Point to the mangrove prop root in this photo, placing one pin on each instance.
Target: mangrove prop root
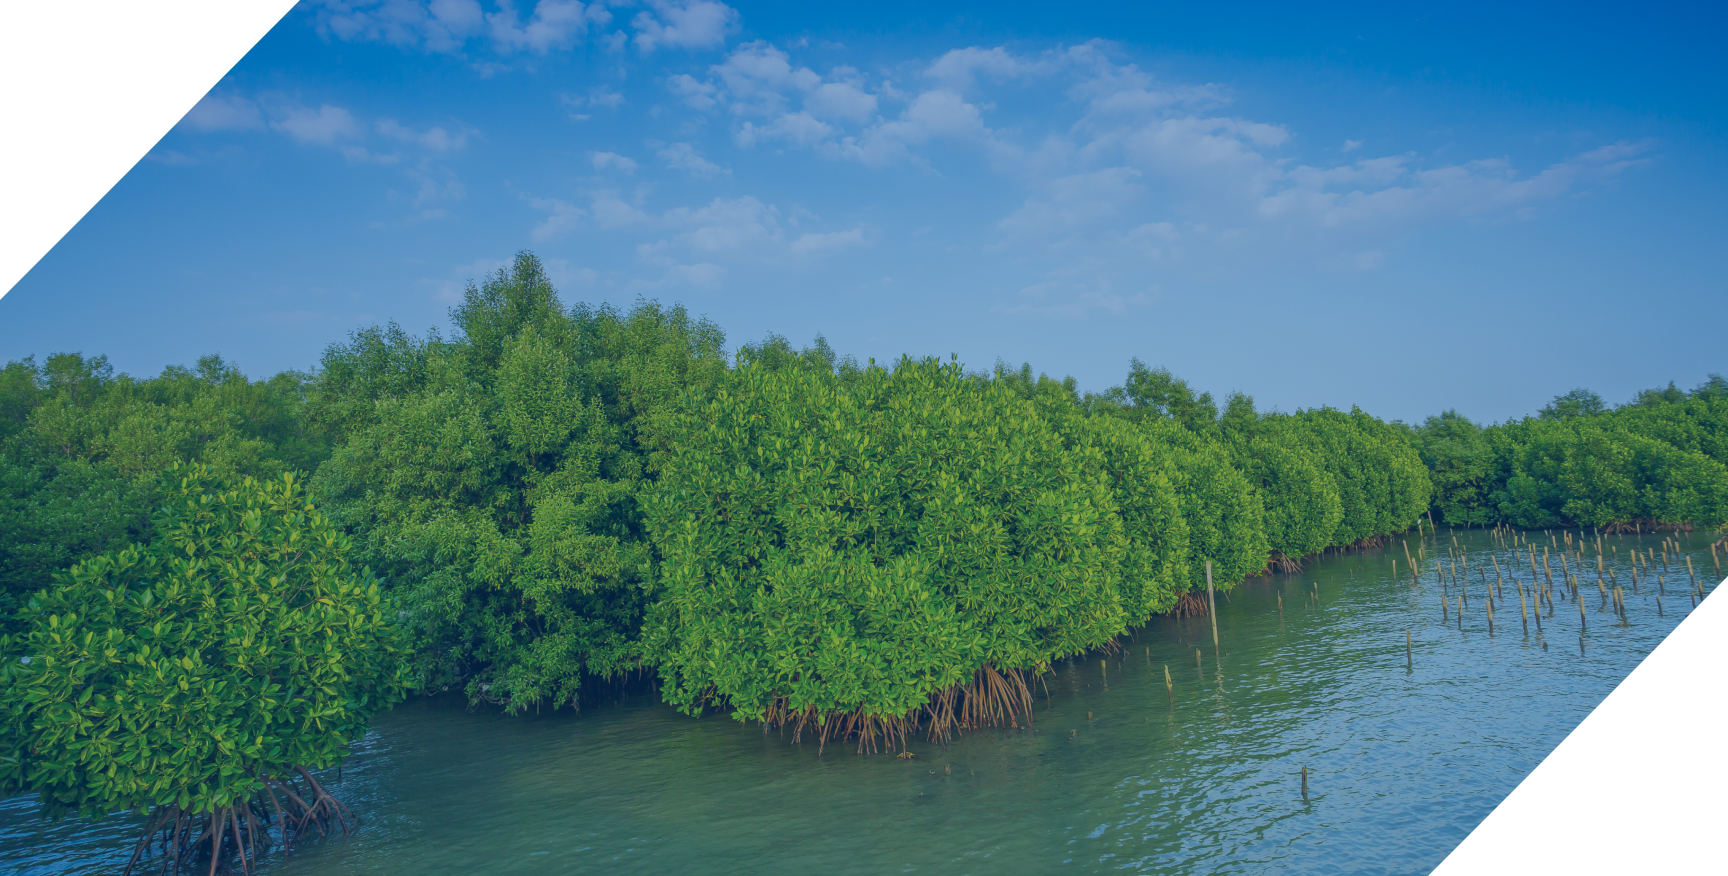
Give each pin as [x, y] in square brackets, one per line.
[1280, 563]
[215, 842]
[1189, 605]
[992, 698]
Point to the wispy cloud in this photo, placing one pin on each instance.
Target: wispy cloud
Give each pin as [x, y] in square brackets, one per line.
[612, 161]
[683, 156]
[505, 28]
[679, 241]
[225, 112]
[692, 24]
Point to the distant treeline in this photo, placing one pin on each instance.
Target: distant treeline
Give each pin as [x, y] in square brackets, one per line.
[843, 547]
[1659, 460]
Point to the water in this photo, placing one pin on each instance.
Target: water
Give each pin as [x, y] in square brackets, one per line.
[1402, 762]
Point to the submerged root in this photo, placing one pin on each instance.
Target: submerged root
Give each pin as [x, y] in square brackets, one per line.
[1279, 563]
[214, 842]
[1636, 525]
[1189, 604]
[991, 699]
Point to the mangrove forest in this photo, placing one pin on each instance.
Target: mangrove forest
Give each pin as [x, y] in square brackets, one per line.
[210, 585]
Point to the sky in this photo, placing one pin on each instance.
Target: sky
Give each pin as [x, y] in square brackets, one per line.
[1410, 211]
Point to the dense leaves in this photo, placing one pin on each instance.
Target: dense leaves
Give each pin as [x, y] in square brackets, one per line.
[865, 547]
[1661, 460]
[237, 645]
[80, 450]
[494, 478]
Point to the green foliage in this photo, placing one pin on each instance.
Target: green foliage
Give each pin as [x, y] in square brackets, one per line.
[1577, 403]
[1661, 459]
[1382, 485]
[861, 548]
[1224, 514]
[1461, 464]
[1300, 499]
[80, 449]
[238, 643]
[1155, 393]
[1152, 493]
[493, 479]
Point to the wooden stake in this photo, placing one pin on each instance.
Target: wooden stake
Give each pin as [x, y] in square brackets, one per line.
[1169, 685]
[1211, 605]
[1304, 784]
[1582, 623]
[1523, 613]
[1409, 660]
[1490, 604]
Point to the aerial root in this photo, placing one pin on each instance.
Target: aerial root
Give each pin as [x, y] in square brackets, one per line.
[240, 832]
[1189, 604]
[992, 698]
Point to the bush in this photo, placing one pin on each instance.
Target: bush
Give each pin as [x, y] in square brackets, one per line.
[194, 676]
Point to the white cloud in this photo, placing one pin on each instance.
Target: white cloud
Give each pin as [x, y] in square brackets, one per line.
[683, 156]
[1074, 202]
[323, 126]
[829, 242]
[692, 245]
[436, 26]
[447, 26]
[562, 274]
[449, 289]
[605, 96]
[733, 227]
[554, 24]
[605, 160]
[362, 155]
[931, 115]
[960, 69]
[757, 76]
[841, 101]
[691, 24]
[692, 91]
[562, 216]
[435, 139]
[611, 211]
[1352, 145]
[224, 113]
[1382, 193]
[434, 186]
[702, 275]
[1074, 294]
[801, 129]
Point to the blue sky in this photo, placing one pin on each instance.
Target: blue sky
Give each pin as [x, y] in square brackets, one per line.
[1473, 209]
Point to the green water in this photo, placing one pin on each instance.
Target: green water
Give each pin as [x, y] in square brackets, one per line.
[1403, 761]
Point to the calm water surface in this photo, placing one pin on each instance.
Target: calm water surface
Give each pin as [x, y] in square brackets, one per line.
[1403, 761]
